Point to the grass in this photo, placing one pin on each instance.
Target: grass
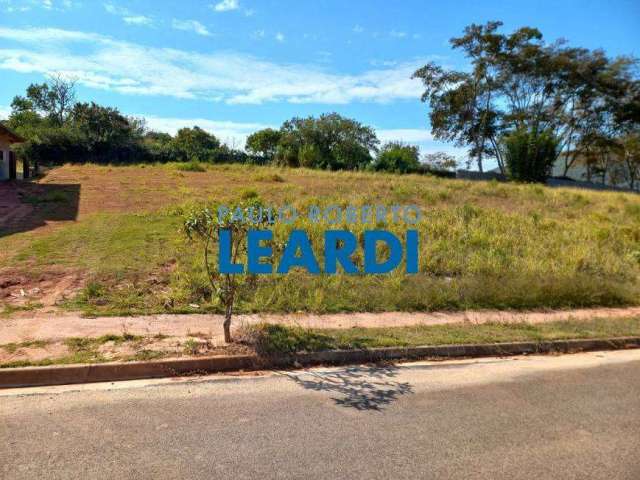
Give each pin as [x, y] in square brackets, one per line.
[191, 346]
[14, 347]
[192, 166]
[55, 196]
[483, 244]
[81, 350]
[9, 310]
[270, 339]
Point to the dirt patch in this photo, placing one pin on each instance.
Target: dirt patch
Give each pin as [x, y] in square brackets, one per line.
[33, 353]
[40, 326]
[144, 348]
[47, 288]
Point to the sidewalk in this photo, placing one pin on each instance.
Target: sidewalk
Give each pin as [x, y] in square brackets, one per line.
[62, 326]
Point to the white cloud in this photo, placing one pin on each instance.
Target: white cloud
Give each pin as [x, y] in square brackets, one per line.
[138, 20]
[232, 133]
[279, 37]
[226, 5]
[358, 29]
[235, 133]
[4, 112]
[407, 135]
[11, 6]
[190, 25]
[22, 8]
[127, 16]
[101, 62]
[422, 138]
[396, 34]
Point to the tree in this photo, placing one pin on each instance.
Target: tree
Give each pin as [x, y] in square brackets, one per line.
[54, 99]
[630, 146]
[104, 129]
[264, 143]
[440, 161]
[463, 104]
[397, 157]
[529, 154]
[517, 81]
[330, 142]
[626, 113]
[195, 144]
[206, 225]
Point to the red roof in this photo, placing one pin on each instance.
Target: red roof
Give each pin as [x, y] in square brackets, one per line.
[13, 137]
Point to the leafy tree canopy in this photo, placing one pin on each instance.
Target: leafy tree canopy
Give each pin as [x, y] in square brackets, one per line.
[264, 142]
[518, 81]
[397, 157]
[330, 142]
[195, 144]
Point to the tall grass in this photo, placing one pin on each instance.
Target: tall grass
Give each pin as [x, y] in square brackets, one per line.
[483, 245]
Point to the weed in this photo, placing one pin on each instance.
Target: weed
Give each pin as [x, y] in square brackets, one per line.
[191, 346]
[14, 347]
[191, 166]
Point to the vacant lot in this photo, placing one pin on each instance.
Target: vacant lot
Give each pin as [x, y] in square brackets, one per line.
[108, 240]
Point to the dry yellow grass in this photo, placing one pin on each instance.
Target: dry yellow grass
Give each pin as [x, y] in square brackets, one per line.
[484, 244]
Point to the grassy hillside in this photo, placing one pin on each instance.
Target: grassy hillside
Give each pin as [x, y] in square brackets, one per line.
[484, 244]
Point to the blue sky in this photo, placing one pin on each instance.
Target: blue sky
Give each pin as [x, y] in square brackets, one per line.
[233, 66]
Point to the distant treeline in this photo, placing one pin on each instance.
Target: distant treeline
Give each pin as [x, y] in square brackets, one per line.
[60, 130]
[525, 104]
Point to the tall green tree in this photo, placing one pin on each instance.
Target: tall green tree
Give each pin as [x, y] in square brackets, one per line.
[195, 144]
[519, 82]
[440, 161]
[53, 100]
[397, 157]
[264, 143]
[529, 154]
[330, 142]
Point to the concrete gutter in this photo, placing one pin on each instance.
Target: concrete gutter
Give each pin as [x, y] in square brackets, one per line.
[119, 371]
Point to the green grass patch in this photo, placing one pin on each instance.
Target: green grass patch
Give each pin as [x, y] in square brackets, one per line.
[145, 355]
[483, 244]
[78, 344]
[14, 347]
[269, 339]
[192, 166]
[56, 196]
[9, 310]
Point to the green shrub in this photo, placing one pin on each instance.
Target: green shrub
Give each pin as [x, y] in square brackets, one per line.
[398, 158]
[192, 166]
[530, 154]
[270, 339]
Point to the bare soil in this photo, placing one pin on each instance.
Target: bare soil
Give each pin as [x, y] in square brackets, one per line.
[169, 347]
[28, 326]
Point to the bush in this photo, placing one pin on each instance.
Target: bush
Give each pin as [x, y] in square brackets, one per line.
[192, 166]
[530, 154]
[398, 158]
[272, 339]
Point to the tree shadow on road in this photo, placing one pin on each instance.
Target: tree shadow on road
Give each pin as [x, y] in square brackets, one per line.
[362, 388]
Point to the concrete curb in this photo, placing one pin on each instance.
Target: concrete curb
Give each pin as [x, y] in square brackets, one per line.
[118, 371]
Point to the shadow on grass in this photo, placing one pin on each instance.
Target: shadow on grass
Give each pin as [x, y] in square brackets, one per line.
[28, 205]
[363, 388]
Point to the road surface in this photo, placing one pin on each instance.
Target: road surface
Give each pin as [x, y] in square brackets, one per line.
[544, 417]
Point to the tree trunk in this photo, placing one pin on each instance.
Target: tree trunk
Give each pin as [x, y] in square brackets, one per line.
[227, 323]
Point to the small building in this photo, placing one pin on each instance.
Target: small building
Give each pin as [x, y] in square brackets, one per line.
[8, 157]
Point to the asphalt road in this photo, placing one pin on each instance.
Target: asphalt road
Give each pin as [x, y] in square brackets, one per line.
[573, 416]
